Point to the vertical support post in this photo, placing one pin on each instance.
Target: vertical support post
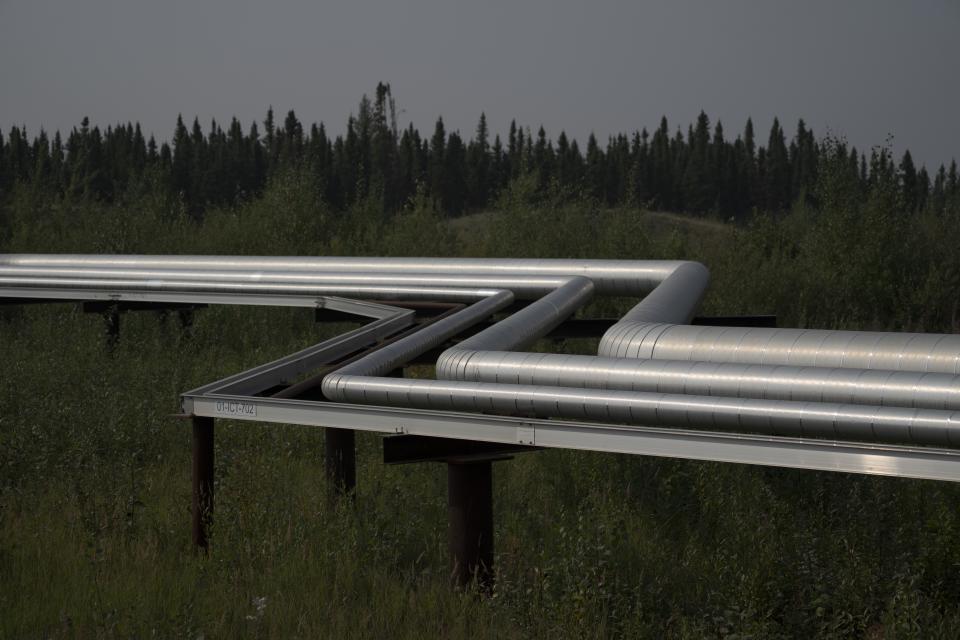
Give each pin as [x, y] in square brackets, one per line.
[470, 511]
[111, 318]
[202, 479]
[341, 462]
[186, 319]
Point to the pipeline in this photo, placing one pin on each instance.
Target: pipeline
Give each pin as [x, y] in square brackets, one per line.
[775, 417]
[23, 285]
[610, 277]
[521, 328]
[652, 368]
[812, 384]
[868, 350]
[530, 287]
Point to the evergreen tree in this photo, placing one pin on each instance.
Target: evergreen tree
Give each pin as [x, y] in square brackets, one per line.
[454, 188]
[437, 161]
[909, 183]
[478, 165]
[776, 170]
[595, 177]
[383, 153]
[698, 171]
[499, 169]
[513, 153]
[698, 192]
[923, 189]
[270, 139]
[661, 161]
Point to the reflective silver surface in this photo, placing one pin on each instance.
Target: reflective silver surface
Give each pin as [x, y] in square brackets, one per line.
[654, 369]
[520, 328]
[527, 287]
[921, 352]
[776, 417]
[849, 386]
[385, 292]
[398, 353]
[611, 277]
[799, 453]
[676, 299]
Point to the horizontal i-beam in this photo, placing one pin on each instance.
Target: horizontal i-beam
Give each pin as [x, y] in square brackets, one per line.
[799, 453]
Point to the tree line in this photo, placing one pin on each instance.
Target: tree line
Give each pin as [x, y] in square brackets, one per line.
[700, 171]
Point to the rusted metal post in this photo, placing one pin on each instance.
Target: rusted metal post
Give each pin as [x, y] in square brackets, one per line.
[341, 462]
[202, 480]
[470, 511]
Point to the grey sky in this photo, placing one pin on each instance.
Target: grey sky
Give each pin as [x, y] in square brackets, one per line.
[862, 69]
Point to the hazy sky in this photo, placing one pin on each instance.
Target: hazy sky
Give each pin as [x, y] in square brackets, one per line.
[864, 69]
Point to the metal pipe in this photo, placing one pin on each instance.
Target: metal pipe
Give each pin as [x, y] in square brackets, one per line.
[521, 329]
[651, 330]
[385, 292]
[675, 299]
[611, 277]
[847, 386]
[781, 417]
[524, 287]
[872, 350]
[776, 417]
[402, 351]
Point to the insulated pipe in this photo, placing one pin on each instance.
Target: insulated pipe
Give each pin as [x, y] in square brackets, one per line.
[521, 329]
[776, 417]
[398, 353]
[611, 277]
[806, 419]
[847, 386]
[676, 299]
[386, 292]
[527, 324]
[919, 352]
[528, 287]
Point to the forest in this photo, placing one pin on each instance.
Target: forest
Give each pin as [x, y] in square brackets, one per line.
[702, 171]
[95, 469]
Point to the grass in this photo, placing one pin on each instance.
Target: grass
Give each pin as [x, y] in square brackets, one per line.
[95, 488]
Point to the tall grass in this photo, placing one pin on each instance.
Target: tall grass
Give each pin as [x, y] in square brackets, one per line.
[94, 470]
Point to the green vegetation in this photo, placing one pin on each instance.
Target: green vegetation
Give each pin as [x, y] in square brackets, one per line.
[702, 171]
[94, 473]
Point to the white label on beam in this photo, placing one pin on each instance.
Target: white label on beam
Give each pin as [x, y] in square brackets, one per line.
[526, 434]
[234, 408]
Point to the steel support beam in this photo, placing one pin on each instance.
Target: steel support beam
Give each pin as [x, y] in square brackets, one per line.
[100, 306]
[202, 480]
[412, 449]
[798, 453]
[470, 513]
[341, 463]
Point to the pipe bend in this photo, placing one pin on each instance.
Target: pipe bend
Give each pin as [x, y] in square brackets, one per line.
[673, 301]
[522, 328]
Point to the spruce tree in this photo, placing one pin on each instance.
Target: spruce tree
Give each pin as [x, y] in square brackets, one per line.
[438, 143]
[478, 165]
[595, 170]
[454, 187]
[909, 187]
[499, 170]
[776, 175]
